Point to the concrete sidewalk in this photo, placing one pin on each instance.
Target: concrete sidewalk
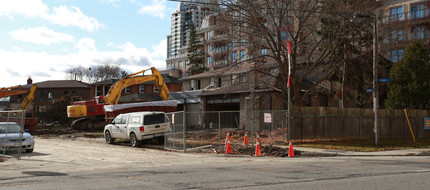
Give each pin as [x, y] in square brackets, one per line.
[324, 152]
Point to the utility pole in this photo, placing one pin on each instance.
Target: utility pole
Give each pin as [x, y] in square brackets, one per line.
[375, 77]
[375, 71]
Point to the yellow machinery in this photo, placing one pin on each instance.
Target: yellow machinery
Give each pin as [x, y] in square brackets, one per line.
[95, 107]
[16, 90]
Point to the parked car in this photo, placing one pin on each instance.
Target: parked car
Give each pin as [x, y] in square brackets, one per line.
[137, 126]
[10, 137]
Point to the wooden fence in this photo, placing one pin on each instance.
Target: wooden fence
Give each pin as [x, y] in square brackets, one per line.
[327, 123]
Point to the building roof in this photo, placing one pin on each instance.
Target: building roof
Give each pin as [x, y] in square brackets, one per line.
[167, 79]
[186, 96]
[105, 82]
[60, 84]
[230, 70]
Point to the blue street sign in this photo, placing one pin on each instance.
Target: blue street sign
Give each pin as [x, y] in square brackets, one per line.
[370, 90]
[384, 80]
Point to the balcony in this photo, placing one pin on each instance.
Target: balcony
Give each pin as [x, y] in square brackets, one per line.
[421, 15]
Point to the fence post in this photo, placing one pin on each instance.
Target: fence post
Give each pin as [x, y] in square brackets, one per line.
[315, 126]
[325, 126]
[219, 128]
[360, 126]
[184, 132]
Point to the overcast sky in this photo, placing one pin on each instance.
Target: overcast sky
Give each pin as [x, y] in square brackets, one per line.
[43, 38]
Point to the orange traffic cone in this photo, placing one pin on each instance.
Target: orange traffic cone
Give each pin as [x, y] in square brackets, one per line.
[227, 138]
[245, 140]
[257, 148]
[291, 150]
[228, 148]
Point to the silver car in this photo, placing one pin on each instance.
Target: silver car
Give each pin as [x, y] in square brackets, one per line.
[10, 138]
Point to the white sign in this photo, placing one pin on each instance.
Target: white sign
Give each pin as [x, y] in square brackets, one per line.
[267, 118]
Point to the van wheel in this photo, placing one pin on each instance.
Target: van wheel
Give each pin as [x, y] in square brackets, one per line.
[133, 140]
[109, 138]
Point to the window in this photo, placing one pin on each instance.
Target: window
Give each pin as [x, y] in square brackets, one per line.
[242, 78]
[397, 35]
[98, 90]
[396, 55]
[219, 82]
[141, 88]
[417, 11]
[192, 85]
[212, 82]
[106, 90]
[198, 84]
[156, 89]
[124, 119]
[209, 60]
[419, 32]
[397, 13]
[264, 52]
[210, 35]
[233, 79]
[135, 120]
[242, 55]
[127, 90]
[154, 119]
[180, 64]
[117, 119]
[209, 48]
[234, 56]
[50, 95]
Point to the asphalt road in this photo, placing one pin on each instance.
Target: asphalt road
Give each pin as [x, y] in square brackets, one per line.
[91, 164]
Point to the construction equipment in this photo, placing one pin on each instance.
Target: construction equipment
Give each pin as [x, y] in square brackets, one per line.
[89, 112]
[30, 123]
[16, 90]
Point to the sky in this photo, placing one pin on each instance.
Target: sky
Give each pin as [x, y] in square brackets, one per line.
[41, 39]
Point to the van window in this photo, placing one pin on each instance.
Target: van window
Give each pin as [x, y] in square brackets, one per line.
[135, 120]
[117, 119]
[154, 119]
[124, 119]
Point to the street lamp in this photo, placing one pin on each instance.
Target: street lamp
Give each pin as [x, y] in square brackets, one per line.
[375, 71]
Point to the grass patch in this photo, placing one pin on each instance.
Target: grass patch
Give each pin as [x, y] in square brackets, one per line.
[365, 145]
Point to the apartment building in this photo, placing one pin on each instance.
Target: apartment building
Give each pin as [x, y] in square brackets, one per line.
[187, 14]
[403, 20]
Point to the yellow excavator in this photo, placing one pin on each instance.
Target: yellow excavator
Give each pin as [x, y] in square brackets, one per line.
[30, 123]
[16, 90]
[89, 112]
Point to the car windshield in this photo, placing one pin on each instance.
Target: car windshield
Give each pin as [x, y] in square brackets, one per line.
[9, 128]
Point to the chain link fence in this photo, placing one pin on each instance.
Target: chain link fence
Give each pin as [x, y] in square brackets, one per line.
[207, 130]
[11, 132]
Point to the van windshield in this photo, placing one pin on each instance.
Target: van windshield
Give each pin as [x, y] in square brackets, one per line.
[154, 119]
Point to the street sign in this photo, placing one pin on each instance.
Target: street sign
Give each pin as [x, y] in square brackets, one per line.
[267, 118]
[370, 90]
[427, 123]
[384, 80]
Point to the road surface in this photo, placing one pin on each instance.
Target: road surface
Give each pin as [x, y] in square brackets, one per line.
[89, 163]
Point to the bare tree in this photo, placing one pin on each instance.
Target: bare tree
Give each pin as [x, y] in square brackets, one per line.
[322, 35]
[95, 73]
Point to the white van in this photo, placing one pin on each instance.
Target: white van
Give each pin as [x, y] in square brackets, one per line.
[137, 126]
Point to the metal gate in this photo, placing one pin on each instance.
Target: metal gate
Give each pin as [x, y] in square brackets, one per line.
[9, 143]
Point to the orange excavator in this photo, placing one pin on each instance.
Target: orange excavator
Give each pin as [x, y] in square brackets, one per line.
[89, 114]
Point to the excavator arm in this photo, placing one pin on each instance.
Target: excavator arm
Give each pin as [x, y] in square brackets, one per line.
[114, 93]
[11, 91]
[28, 99]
